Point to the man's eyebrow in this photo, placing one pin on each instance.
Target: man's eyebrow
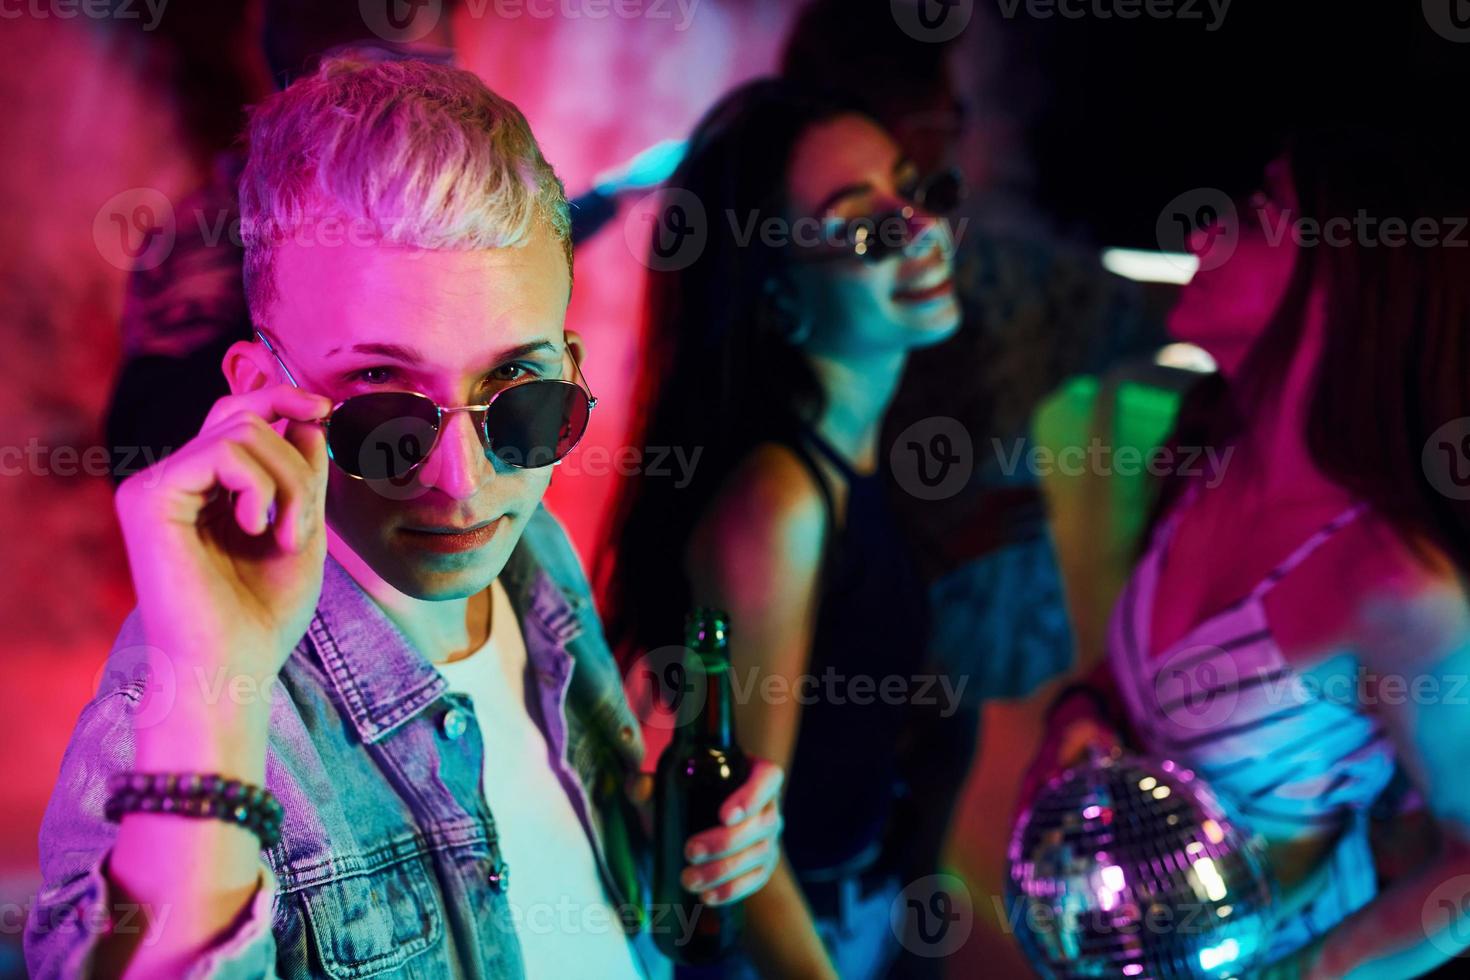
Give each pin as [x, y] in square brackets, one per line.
[408, 355]
[395, 352]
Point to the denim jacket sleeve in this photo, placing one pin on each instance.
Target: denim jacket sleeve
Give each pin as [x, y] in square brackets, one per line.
[76, 905]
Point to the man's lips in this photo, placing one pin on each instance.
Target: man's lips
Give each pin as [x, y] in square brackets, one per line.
[449, 528]
[453, 538]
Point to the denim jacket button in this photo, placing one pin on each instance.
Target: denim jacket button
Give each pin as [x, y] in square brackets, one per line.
[500, 876]
[453, 723]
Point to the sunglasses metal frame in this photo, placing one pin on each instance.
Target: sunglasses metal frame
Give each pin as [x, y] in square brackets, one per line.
[864, 236]
[441, 410]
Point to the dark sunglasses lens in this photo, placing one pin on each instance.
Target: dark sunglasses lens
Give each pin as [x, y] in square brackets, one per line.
[382, 436]
[878, 238]
[942, 192]
[536, 423]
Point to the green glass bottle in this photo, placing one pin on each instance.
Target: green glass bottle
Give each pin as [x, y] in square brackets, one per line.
[700, 768]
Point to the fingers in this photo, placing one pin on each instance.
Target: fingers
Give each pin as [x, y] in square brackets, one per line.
[730, 861]
[237, 470]
[244, 455]
[289, 483]
[762, 787]
[1080, 740]
[271, 403]
[741, 888]
[310, 442]
[732, 878]
[721, 842]
[1065, 746]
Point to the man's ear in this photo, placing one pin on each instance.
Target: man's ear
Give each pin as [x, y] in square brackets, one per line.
[248, 366]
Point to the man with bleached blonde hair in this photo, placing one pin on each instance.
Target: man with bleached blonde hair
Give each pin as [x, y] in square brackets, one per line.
[363, 720]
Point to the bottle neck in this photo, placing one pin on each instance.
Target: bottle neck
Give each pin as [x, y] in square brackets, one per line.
[714, 724]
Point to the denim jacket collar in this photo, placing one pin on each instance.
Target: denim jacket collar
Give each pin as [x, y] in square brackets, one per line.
[383, 680]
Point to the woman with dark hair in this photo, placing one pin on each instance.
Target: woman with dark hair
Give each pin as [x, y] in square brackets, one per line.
[1298, 633]
[774, 353]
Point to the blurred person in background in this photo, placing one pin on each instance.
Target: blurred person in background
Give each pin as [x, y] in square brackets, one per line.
[1035, 313]
[776, 357]
[1275, 611]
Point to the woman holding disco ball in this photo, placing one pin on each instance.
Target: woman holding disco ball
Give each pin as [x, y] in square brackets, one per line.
[1297, 631]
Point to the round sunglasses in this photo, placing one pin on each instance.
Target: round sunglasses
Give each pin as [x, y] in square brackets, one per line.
[387, 435]
[873, 238]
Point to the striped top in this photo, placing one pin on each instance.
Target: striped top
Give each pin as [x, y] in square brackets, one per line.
[1286, 752]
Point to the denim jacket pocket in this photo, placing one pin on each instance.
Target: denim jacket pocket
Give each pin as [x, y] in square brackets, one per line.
[366, 924]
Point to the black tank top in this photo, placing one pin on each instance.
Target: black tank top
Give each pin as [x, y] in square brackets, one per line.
[872, 625]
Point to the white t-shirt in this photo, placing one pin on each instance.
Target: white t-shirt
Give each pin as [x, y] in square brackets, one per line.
[566, 926]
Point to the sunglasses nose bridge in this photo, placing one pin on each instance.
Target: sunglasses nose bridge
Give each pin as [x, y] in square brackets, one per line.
[449, 465]
[479, 419]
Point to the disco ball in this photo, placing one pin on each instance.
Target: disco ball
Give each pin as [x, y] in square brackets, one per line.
[1128, 867]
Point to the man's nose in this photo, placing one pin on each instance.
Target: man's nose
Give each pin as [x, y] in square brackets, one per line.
[459, 465]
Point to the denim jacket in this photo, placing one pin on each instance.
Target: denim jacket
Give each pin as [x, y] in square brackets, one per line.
[388, 863]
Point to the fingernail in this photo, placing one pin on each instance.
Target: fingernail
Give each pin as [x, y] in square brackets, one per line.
[736, 815]
[710, 898]
[695, 852]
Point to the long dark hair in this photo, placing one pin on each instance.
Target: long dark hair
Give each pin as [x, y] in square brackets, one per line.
[720, 374]
[1395, 364]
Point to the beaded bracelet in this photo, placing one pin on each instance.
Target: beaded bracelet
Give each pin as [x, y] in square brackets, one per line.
[196, 795]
